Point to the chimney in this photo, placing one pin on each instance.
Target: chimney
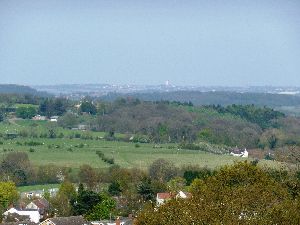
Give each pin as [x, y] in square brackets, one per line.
[118, 221]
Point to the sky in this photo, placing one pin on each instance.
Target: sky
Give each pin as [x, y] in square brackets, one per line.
[188, 42]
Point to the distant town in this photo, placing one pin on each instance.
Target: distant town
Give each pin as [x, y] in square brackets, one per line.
[98, 90]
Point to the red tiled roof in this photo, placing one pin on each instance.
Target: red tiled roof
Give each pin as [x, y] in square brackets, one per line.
[164, 195]
[39, 204]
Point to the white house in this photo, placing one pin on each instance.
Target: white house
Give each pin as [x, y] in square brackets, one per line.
[239, 153]
[54, 118]
[34, 215]
[39, 117]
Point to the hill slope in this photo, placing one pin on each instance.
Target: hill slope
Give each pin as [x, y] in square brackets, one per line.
[215, 98]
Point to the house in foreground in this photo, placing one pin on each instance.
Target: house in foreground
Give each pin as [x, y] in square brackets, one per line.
[40, 204]
[32, 214]
[161, 198]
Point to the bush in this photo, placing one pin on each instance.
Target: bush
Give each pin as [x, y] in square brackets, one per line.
[80, 145]
[32, 143]
[100, 154]
[110, 160]
[269, 157]
[43, 135]
[77, 135]
[104, 158]
[23, 133]
[31, 150]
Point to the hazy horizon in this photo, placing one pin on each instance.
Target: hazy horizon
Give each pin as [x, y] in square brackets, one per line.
[203, 43]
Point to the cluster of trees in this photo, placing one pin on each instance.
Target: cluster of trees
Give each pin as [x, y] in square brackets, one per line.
[171, 122]
[263, 116]
[16, 167]
[53, 107]
[26, 112]
[93, 205]
[131, 188]
[10, 99]
[159, 121]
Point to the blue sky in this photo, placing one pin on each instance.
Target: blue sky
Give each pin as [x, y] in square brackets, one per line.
[213, 42]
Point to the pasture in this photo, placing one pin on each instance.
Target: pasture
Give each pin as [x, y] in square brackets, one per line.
[68, 151]
[76, 152]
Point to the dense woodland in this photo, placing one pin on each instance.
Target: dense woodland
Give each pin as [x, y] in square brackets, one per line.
[247, 126]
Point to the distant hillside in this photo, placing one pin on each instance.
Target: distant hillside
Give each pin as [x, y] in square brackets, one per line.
[19, 89]
[210, 98]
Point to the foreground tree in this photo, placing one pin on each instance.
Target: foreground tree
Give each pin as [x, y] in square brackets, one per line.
[61, 203]
[238, 194]
[8, 194]
[103, 210]
[16, 167]
[85, 201]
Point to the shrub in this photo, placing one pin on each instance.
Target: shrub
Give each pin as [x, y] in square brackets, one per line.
[32, 143]
[269, 157]
[80, 145]
[104, 158]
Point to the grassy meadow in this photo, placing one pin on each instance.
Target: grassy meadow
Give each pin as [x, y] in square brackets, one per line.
[74, 152]
[37, 187]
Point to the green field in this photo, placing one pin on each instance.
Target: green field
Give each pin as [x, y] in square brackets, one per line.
[69, 153]
[75, 152]
[37, 187]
